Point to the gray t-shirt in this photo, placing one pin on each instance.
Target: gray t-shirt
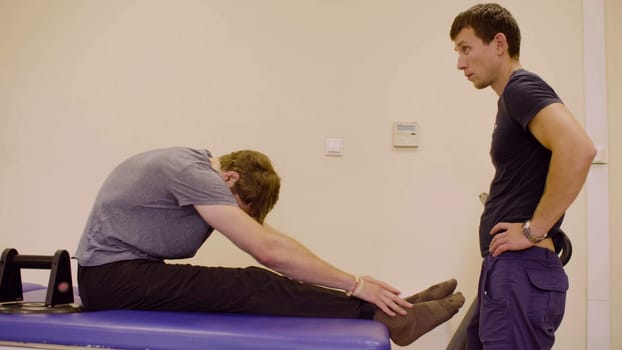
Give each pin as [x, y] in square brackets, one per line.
[145, 210]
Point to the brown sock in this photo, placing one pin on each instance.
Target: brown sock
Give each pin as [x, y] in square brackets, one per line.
[437, 291]
[422, 318]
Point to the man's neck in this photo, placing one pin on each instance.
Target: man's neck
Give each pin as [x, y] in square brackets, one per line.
[215, 162]
[506, 71]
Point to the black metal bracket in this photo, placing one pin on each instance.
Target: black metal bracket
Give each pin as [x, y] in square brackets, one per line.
[60, 286]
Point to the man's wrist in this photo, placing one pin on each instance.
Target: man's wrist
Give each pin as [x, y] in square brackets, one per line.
[358, 286]
[533, 238]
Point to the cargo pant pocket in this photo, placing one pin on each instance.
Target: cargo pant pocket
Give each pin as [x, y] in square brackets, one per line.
[495, 327]
[548, 299]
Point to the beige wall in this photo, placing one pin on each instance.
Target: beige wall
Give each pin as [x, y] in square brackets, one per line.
[614, 86]
[83, 84]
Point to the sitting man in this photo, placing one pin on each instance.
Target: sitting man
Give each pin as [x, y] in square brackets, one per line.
[163, 204]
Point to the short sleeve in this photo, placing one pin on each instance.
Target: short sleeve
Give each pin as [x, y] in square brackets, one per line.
[525, 96]
[199, 184]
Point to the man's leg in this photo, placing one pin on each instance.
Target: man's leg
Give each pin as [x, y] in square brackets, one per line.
[473, 341]
[472, 331]
[523, 301]
[148, 285]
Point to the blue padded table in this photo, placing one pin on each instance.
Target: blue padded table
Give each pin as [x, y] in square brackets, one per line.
[27, 287]
[155, 330]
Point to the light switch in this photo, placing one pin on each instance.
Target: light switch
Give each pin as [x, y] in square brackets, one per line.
[334, 146]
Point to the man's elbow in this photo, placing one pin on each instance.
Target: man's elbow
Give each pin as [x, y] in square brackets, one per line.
[580, 152]
[589, 153]
[265, 258]
[268, 256]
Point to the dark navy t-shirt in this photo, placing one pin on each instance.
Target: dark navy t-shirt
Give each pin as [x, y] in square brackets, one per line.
[521, 162]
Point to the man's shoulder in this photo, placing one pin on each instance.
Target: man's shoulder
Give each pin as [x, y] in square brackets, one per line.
[178, 151]
[524, 84]
[173, 157]
[525, 77]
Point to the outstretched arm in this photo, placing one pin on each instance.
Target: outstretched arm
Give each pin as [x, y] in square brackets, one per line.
[285, 255]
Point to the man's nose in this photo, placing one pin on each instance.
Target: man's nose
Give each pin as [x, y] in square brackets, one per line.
[461, 64]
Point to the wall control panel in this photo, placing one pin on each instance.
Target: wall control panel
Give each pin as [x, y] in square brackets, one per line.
[405, 134]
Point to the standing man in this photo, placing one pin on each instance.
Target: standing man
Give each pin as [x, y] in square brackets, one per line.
[541, 157]
[163, 204]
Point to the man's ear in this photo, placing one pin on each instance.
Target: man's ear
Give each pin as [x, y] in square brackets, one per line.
[501, 43]
[230, 177]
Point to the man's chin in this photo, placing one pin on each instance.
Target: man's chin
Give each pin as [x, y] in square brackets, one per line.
[480, 86]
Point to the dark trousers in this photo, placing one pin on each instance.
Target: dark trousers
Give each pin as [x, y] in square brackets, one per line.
[521, 301]
[150, 285]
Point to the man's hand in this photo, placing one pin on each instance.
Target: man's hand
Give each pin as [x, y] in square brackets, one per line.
[383, 295]
[508, 236]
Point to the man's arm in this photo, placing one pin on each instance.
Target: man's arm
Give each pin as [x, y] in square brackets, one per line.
[572, 153]
[571, 158]
[287, 256]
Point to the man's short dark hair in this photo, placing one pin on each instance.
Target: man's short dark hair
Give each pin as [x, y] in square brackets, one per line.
[487, 20]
